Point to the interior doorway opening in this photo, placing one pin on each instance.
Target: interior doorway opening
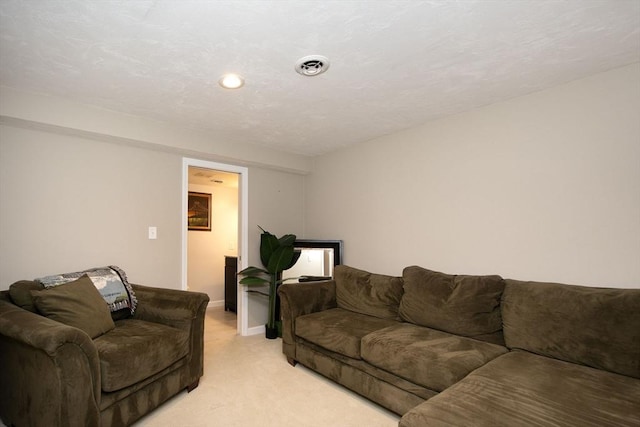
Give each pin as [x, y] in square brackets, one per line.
[212, 234]
[214, 231]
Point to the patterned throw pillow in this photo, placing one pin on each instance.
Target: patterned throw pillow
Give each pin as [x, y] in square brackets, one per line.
[110, 281]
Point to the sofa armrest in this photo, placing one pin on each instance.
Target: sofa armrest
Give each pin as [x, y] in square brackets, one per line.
[298, 299]
[171, 307]
[180, 309]
[50, 371]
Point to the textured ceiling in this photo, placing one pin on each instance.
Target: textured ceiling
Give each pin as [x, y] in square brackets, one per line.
[394, 64]
[212, 178]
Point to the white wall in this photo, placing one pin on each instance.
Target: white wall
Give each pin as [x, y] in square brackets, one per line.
[206, 249]
[541, 187]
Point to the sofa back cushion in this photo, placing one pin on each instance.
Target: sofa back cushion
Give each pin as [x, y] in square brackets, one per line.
[367, 293]
[461, 305]
[596, 327]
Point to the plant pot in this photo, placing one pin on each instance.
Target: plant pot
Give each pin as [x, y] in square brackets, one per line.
[270, 333]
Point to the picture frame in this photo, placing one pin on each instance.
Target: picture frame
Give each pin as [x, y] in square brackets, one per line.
[199, 211]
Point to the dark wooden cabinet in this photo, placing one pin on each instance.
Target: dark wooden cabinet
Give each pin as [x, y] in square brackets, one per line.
[230, 283]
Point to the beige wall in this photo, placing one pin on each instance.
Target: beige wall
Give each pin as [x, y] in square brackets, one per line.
[206, 249]
[69, 203]
[541, 187]
[79, 187]
[280, 197]
[62, 115]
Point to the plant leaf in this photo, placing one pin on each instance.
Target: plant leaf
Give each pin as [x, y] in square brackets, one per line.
[294, 259]
[268, 244]
[280, 259]
[287, 240]
[254, 281]
[258, 292]
[252, 271]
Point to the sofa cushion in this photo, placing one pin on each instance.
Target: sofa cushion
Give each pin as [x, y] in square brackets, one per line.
[430, 358]
[338, 330]
[367, 293]
[596, 327]
[524, 389]
[137, 349]
[462, 305]
[76, 304]
[20, 293]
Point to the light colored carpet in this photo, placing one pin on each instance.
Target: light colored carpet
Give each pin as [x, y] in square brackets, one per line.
[248, 382]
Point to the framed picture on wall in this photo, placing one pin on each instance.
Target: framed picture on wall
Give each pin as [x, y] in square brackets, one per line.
[199, 211]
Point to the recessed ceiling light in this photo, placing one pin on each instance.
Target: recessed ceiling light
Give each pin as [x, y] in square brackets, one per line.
[231, 81]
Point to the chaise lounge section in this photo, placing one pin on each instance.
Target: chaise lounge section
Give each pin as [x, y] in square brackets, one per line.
[452, 350]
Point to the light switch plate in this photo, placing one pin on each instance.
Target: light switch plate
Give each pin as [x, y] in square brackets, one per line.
[153, 233]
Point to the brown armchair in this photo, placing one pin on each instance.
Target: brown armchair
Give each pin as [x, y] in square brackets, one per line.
[53, 374]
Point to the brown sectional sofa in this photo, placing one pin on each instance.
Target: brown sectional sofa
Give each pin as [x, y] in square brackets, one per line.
[53, 374]
[452, 350]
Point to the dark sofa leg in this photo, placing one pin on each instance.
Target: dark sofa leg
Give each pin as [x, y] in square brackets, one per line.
[193, 385]
[292, 361]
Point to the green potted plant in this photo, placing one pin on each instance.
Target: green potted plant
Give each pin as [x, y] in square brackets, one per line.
[276, 255]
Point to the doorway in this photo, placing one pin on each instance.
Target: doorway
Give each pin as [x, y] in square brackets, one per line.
[206, 177]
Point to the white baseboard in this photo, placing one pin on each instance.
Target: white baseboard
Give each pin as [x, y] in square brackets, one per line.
[256, 330]
[212, 304]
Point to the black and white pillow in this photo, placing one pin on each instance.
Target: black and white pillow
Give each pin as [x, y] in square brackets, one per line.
[111, 282]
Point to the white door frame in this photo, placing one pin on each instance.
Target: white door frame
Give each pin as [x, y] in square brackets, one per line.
[243, 227]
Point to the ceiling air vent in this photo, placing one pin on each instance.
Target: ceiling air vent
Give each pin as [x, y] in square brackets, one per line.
[312, 65]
